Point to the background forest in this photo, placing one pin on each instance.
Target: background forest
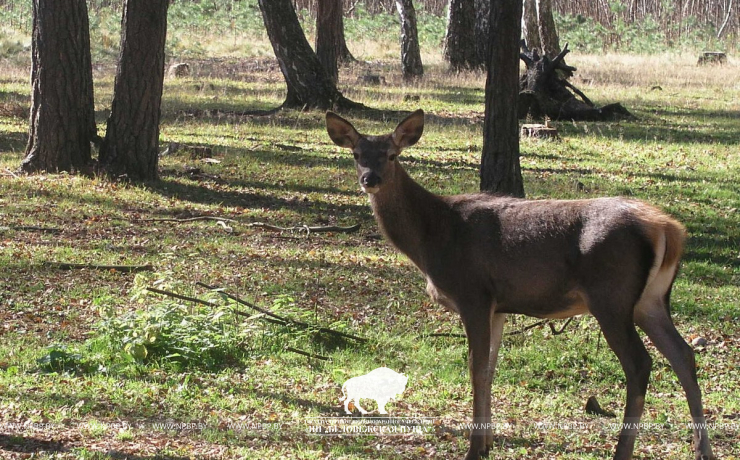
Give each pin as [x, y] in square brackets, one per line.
[646, 26]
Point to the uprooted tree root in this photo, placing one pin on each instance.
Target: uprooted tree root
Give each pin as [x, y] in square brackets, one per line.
[544, 91]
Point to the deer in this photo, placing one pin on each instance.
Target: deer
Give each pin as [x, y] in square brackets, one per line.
[486, 256]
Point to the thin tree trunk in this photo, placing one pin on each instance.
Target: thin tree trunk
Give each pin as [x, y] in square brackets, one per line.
[531, 25]
[548, 32]
[327, 36]
[131, 147]
[460, 47]
[62, 122]
[725, 22]
[410, 54]
[483, 32]
[307, 81]
[500, 169]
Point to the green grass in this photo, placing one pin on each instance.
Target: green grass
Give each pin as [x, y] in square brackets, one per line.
[681, 154]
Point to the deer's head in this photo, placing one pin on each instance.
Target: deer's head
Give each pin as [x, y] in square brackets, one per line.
[375, 156]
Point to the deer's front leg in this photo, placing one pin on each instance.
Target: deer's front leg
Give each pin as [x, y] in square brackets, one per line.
[478, 329]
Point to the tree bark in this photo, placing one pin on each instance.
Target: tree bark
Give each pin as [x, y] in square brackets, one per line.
[330, 15]
[307, 81]
[328, 20]
[410, 54]
[500, 169]
[460, 49]
[131, 146]
[62, 122]
[482, 32]
[550, 44]
[531, 25]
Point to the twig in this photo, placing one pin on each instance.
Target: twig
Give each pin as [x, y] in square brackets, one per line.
[306, 228]
[119, 268]
[181, 297]
[189, 219]
[562, 329]
[31, 228]
[8, 172]
[281, 318]
[446, 334]
[205, 302]
[245, 303]
[305, 353]
[531, 326]
[540, 323]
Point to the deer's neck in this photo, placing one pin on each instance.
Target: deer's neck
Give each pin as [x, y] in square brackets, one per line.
[412, 218]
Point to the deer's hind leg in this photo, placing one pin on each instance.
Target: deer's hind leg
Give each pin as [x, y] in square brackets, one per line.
[614, 310]
[652, 316]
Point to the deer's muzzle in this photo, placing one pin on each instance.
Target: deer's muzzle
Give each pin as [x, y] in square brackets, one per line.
[370, 182]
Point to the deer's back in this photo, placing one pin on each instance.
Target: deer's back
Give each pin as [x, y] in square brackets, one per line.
[537, 256]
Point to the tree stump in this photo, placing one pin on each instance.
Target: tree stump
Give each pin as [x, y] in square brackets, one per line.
[544, 91]
[539, 131]
[712, 57]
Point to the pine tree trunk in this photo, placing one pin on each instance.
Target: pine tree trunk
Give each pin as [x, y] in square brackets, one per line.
[410, 54]
[62, 110]
[500, 169]
[328, 17]
[330, 32]
[548, 33]
[531, 25]
[308, 84]
[483, 32]
[460, 49]
[131, 146]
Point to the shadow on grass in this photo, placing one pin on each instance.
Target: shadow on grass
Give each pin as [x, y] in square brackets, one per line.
[31, 446]
[13, 141]
[195, 193]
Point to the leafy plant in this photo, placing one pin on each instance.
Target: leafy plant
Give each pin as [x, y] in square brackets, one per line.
[168, 331]
[60, 359]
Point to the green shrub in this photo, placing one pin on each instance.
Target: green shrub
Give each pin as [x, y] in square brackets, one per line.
[162, 329]
[60, 359]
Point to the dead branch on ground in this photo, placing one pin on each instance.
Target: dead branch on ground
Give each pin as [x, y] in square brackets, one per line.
[118, 268]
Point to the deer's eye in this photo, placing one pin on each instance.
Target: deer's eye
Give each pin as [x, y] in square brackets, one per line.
[392, 157]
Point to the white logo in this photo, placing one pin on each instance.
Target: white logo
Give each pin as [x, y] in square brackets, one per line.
[382, 385]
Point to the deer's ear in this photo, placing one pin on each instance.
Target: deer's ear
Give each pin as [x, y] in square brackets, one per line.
[409, 131]
[341, 131]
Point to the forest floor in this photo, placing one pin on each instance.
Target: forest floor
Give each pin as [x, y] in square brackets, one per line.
[94, 366]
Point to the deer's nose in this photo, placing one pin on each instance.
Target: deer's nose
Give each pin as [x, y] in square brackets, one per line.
[370, 180]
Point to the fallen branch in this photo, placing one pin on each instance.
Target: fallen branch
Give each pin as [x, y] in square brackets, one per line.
[181, 297]
[8, 172]
[306, 228]
[268, 313]
[119, 268]
[446, 334]
[206, 303]
[289, 321]
[540, 323]
[31, 228]
[562, 329]
[188, 219]
[305, 353]
[531, 326]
